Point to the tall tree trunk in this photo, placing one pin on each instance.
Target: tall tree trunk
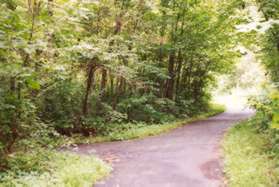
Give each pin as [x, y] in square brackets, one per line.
[103, 83]
[91, 68]
[116, 95]
[171, 73]
[111, 85]
[178, 73]
[117, 30]
[171, 66]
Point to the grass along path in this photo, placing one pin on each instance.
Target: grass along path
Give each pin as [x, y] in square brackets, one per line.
[248, 162]
[58, 169]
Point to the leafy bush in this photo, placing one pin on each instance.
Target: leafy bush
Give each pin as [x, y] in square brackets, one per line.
[62, 103]
[18, 121]
[149, 108]
[139, 108]
[267, 107]
[106, 114]
[266, 120]
[167, 106]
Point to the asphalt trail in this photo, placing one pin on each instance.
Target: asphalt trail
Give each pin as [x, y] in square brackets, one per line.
[189, 156]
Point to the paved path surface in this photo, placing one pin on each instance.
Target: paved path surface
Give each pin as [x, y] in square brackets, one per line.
[185, 157]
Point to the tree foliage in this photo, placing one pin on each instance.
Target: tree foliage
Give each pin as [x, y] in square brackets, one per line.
[267, 105]
[270, 10]
[73, 65]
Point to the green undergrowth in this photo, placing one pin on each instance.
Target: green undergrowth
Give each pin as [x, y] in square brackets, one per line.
[118, 132]
[51, 168]
[249, 161]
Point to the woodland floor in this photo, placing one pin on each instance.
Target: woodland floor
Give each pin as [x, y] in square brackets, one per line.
[187, 156]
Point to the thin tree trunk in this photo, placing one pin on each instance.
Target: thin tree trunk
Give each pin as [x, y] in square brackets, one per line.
[14, 120]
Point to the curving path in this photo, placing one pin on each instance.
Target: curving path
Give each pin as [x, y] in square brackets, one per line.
[185, 157]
